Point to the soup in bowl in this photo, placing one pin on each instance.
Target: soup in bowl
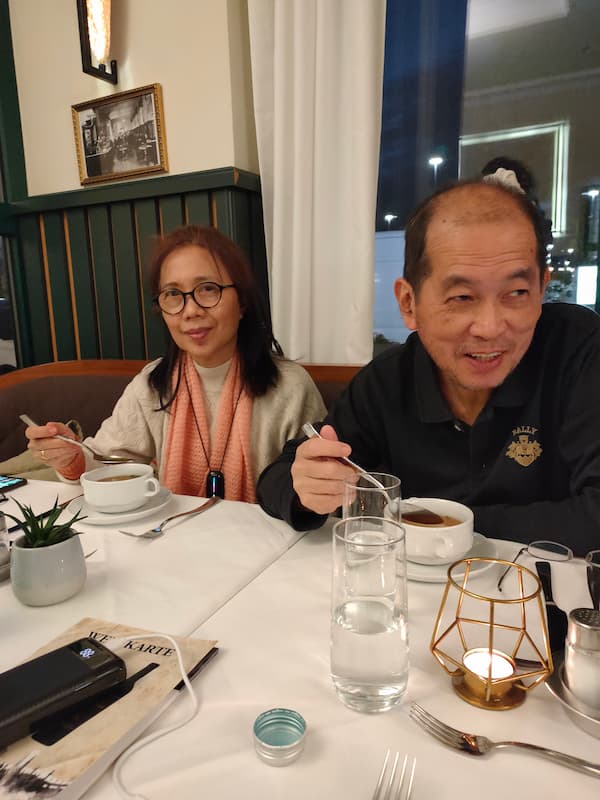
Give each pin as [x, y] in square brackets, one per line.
[442, 542]
[119, 487]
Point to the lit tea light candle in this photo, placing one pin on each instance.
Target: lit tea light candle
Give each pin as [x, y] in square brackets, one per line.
[480, 659]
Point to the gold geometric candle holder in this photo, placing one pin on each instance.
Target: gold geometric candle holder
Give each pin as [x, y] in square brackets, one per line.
[494, 647]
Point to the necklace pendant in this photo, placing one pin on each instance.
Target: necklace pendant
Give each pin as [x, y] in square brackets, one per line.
[215, 484]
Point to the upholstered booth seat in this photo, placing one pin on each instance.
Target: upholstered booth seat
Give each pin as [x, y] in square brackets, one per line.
[87, 391]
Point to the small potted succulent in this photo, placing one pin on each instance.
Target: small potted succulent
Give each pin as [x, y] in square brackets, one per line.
[47, 564]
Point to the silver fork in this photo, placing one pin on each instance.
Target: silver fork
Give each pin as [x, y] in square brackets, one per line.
[388, 788]
[102, 457]
[480, 745]
[153, 533]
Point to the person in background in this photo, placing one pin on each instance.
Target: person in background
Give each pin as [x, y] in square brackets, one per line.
[513, 173]
[492, 400]
[222, 401]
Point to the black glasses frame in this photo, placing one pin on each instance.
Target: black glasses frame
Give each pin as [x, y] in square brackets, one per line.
[184, 296]
[554, 551]
[542, 549]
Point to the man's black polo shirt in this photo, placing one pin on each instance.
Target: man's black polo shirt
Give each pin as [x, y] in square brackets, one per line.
[529, 467]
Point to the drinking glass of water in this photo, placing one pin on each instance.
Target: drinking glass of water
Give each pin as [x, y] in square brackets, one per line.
[369, 633]
[363, 497]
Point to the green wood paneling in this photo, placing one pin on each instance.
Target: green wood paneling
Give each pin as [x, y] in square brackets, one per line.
[130, 295]
[24, 341]
[148, 228]
[8, 223]
[11, 153]
[104, 278]
[83, 283]
[235, 218]
[60, 289]
[171, 212]
[111, 232]
[240, 229]
[208, 180]
[34, 315]
[13, 186]
[224, 210]
[197, 205]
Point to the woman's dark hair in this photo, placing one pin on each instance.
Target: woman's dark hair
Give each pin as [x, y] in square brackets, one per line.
[255, 341]
[527, 183]
[416, 264]
[522, 174]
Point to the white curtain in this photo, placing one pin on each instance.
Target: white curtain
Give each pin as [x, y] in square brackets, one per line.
[317, 73]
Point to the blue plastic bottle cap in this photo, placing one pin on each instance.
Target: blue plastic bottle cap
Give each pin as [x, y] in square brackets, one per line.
[279, 736]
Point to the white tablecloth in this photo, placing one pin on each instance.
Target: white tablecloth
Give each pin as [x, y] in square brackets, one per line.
[274, 640]
[168, 584]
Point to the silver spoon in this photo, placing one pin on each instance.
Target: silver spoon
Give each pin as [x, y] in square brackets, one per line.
[311, 432]
[104, 459]
[418, 513]
[153, 533]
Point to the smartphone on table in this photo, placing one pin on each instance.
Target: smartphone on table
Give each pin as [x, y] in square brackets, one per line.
[53, 683]
[8, 482]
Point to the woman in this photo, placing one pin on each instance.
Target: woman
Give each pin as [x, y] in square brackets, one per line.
[220, 404]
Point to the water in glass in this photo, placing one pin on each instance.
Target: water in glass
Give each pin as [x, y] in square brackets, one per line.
[369, 633]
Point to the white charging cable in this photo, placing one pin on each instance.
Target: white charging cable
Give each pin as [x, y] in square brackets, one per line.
[115, 644]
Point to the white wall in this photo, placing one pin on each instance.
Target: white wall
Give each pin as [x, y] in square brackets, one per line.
[198, 50]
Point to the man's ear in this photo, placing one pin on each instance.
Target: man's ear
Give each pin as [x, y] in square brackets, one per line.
[545, 279]
[405, 298]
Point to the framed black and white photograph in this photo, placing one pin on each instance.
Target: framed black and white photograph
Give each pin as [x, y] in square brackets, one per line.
[120, 136]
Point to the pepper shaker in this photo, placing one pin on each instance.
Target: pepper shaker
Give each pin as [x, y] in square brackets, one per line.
[582, 656]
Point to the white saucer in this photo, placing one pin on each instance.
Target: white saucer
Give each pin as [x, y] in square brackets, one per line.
[438, 573]
[95, 517]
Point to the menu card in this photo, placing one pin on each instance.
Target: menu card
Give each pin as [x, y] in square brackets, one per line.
[63, 760]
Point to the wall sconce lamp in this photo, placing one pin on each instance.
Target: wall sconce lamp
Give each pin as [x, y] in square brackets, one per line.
[94, 37]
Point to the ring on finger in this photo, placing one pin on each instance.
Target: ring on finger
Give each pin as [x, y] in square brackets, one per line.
[43, 455]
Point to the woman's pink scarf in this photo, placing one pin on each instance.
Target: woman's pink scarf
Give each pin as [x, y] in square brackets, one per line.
[185, 467]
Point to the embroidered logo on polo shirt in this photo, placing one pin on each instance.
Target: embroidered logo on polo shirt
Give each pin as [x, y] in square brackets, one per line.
[524, 449]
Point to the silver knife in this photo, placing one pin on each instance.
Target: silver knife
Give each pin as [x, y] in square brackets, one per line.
[557, 619]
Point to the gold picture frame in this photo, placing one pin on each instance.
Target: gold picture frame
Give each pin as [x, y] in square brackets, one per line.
[120, 136]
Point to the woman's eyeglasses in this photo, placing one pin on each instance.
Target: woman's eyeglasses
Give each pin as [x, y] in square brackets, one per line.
[550, 551]
[206, 295]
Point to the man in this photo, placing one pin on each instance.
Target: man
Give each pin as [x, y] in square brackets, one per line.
[494, 401]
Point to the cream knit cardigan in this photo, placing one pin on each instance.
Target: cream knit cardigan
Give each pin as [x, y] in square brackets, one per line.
[137, 429]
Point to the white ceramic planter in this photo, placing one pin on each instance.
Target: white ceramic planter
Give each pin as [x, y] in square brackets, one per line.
[41, 576]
